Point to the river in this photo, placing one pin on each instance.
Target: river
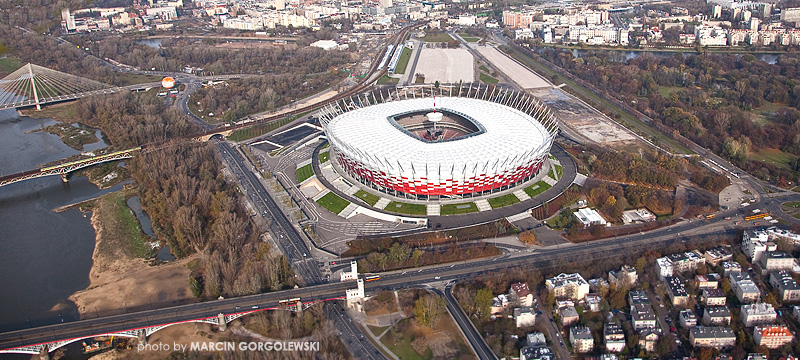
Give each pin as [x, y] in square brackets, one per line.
[46, 255]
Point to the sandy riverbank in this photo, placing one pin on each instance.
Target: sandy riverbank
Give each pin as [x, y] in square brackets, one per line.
[120, 283]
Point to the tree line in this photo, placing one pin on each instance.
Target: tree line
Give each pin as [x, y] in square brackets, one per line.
[712, 99]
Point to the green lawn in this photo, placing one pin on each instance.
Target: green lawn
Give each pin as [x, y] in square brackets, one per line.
[505, 200]
[333, 202]
[792, 204]
[369, 198]
[324, 156]
[775, 157]
[559, 171]
[403, 61]
[10, 64]
[488, 79]
[440, 37]
[304, 173]
[404, 208]
[537, 188]
[485, 69]
[471, 39]
[667, 91]
[385, 79]
[453, 209]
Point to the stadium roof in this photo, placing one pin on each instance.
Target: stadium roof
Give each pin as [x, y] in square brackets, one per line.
[508, 133]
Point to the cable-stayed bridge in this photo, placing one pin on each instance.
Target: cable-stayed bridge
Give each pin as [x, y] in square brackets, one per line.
[37, 85]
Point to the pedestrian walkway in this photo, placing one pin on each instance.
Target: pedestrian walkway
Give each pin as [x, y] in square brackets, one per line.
[321, 194]
[348, 210]
[352, 190]
[518, 217]
[521, 195]
[381, 204]
[434, 209]
[550, 181]
[483, 205]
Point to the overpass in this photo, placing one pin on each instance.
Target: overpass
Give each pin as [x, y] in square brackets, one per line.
[65, 168]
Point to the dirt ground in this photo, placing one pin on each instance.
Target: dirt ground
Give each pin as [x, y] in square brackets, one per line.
[447, 66]
[523, 76]
[119, 284]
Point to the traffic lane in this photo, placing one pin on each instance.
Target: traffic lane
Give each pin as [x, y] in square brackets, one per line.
[476, 341]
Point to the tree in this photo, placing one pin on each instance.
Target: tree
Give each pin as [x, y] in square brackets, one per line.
[483, 302]
[428, 309]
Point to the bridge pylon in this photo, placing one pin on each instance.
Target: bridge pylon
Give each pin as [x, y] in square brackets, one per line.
[223, 325]
[43, 354]
[36, 85]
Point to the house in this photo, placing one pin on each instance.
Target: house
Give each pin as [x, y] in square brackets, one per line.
[500, 303]
[729, 267]
[755, 242]
[614, 337]
[688, 261]
[593, 302]
[687, 318]
[714, 337]
[520, 294]
[775, 261]
[581, 339]
[637, 297]
[536, 353]
[536, 339]
[788, 290]
[708, 281]
[524, 316]
[665, 268]
[648, 338]
[718, 254]
[568, 315]
[642, 316]
[758, 314]
[744, 288]
[641, 215]
[773, 336]
[716, 315]
[625, 276]
[589, 217]
[571, 286]
[597, 283]
[676, 291]
[714, 297]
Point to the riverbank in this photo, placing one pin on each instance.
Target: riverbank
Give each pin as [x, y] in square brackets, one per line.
[121, 279]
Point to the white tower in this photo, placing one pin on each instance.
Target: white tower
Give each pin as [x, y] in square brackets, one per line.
[352, 274]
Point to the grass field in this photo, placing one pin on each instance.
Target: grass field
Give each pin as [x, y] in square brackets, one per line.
[469, 38]
[488, 79]
[404, 208]
[333, 202]
[559, 171]
[258, 130]
[485, 69]
[122, 234]
[402, 63]
[304, 173]
[369, 198]
[537, 188]
[385, 79]
[130, 79]
[324, 157]
[775, 157]
[667, 91]
[440, 37]
[627, 119]
[452, 209]
[505, 200]
[10, 64]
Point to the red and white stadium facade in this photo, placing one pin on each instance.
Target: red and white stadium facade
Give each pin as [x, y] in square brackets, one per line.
[515, 135]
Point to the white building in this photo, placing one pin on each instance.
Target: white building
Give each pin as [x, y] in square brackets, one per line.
[352, 274]
[571, 286]
[773, 336]
[524, 316]
[589, 217]
[758, 314]
[581, 339]
[755, 242]
[788, 290]
[614, 337]
[328, 45]
[744, 288]
[638, 216]
[521, 295]
[626, 275]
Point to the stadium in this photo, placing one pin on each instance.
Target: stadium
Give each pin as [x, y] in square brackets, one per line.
[427, 143]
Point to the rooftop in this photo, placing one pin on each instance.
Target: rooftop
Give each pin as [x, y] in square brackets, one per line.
[566, 279]
[717, 332]
[773, 330]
